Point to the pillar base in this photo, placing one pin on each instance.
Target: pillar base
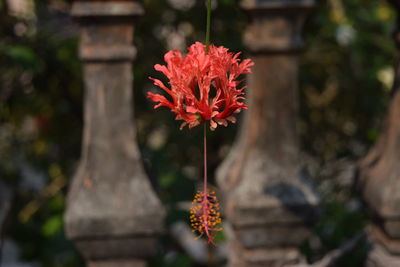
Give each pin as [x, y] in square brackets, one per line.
[118, 263]
[380, 257]
[119, 248]
[390, 244]
[262, 257]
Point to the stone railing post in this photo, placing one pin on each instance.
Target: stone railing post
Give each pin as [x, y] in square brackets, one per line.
[113, 215]
[380, 179]
[268, 199]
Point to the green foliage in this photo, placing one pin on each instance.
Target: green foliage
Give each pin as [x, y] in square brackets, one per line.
[20, 55]
[52, 226]
[338, 225]
[344, 88]
[175, 260]
[40, 130]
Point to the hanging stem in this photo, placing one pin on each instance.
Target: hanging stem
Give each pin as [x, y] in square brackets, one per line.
[205, 157]
[205, 194]
[208, 27]
[205, 123]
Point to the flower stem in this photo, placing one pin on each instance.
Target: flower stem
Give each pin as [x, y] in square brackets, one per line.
[208, 27]
[205, 158]
[205, 201]
[205, 205]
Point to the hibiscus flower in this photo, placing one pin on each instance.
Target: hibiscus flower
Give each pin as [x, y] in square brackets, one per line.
[202, 86]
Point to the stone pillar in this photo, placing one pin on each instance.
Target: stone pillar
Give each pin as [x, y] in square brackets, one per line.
[268, 199]
[380, 179]
[113, 215]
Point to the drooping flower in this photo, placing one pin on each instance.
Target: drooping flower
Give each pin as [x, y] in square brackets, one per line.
[205, 216]
[202, 86]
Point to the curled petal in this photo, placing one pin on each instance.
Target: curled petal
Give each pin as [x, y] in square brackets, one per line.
[221, 122]
[213, 125]
[231, 119]
[191, 109]
[161, 99]
[162, 69]
[183, 125]
[161, 85]
[193, 123]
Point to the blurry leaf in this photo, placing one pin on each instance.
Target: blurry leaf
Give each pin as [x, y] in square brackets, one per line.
[373, 134]
[167, 180]
[52, 226]
[227, 2]
[220, 236]
[54, 170]
[171, 260]
[39, 147]
[22, 55]
[384, 13]
[180, 260]
[56, 203]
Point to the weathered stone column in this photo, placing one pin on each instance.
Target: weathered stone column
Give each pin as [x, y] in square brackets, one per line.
[380, 178]
[268, 198]
[113, 216]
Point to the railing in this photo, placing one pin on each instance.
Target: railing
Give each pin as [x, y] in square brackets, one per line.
[113, 215]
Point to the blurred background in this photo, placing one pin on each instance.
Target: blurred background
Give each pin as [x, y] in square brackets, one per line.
[346, 75]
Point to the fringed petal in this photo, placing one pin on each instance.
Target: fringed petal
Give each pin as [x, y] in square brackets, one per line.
[213, 125]
[221, 122]
[161, 99]
[231, 119]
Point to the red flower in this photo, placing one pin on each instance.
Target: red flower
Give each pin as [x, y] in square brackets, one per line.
[202, 86]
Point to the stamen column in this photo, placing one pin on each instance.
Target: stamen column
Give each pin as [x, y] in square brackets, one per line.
[113, 215]
[380, 179]
[268, 199]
